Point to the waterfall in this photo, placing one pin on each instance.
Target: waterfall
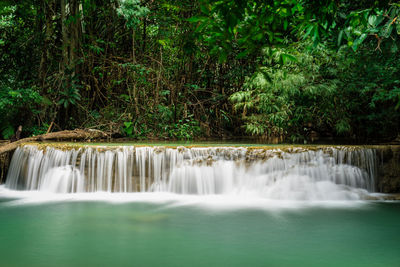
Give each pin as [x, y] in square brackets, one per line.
[294, 173]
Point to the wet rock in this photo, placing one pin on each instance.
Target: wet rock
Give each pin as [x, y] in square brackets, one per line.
[181, 149]
[389, 169]
[4, 164]
[159, 149]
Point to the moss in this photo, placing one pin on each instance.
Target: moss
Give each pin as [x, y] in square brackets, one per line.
[252, 149]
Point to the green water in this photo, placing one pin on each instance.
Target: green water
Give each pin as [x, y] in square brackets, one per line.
[148, 234]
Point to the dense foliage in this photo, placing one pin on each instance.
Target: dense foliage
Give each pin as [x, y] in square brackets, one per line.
[279, 70]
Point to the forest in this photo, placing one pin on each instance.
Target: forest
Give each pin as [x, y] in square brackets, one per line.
[279, 71]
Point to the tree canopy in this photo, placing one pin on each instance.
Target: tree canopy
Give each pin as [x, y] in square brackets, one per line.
[285, 70]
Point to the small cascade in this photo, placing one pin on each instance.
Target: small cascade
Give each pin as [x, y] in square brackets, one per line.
[296, 173]
[63, 179]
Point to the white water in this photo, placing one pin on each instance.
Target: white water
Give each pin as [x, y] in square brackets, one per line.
[326, 174]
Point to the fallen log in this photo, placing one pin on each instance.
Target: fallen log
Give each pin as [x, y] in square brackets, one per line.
[67, 135]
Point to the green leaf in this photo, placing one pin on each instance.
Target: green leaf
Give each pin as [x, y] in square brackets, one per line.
[204, 9]
[163, 43]
[362, 37]
[242, 54]
[128, 124]
[372, 20]
[358, 41]
[387, 29]
[308, 32]
[394, 48]
[46, 101]
[222, 56]
[343, 126]
[287, 58]
[340, 37]
[14, 94]
[7, 132]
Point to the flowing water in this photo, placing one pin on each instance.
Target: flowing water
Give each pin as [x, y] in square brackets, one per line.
[298, 174]
[199, 206]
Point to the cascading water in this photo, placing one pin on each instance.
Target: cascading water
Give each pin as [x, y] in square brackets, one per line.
[320, 173]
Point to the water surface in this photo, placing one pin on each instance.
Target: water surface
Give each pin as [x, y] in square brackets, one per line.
[171, 232]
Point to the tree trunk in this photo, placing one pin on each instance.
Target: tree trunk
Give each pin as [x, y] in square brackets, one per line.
[133, 46]
[49, 10]
[57, 136]
[135, 98]
[144, 35]
[75, 34]
[157, 95]
[65, 44]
